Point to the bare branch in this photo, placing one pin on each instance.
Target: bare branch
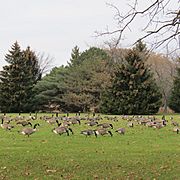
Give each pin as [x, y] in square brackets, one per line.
[45, 63]
[161, 21]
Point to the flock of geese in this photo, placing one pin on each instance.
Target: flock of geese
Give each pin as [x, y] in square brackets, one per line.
[95, 123]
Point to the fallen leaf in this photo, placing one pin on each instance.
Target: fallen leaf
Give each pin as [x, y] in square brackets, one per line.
[51, 170]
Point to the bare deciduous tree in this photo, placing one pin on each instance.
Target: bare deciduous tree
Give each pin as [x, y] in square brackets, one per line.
[45, 63]
[164, 70]
[162, 22]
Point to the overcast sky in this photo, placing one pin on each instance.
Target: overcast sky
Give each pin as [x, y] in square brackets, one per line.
[54, 27]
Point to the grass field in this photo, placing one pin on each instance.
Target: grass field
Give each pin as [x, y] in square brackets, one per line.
[142, 153]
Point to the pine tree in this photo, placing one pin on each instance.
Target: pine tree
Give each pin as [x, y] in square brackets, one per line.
[49, 91]
[17, 79]
[174, 100]
[133, 89]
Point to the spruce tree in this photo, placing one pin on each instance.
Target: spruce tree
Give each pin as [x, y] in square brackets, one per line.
[133, 89]
[17, 79]
[32, 74]
[174, 100]
[75, 57]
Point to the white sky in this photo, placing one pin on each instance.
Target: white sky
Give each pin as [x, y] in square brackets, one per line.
[54, 27]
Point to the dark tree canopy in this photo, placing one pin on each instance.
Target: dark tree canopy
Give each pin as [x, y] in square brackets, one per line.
[17, 79]
[174, 101]
[50, 90]
[133, 89]
[76, 87]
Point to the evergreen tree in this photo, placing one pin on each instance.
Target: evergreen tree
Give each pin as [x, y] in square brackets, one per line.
[32, 74]
[75, 57]
[86, 81]
[17, 79]
[133, 89]
[77, 87]
[174, 100]
[49, 91]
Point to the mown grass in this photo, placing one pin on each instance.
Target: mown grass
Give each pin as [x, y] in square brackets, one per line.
[142, 153]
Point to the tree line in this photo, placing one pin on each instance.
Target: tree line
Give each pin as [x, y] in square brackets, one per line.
[119, 81]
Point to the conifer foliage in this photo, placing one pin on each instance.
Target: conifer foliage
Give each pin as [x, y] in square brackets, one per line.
[17, 79]
[133, 89]
[75, 57]
[174, 101]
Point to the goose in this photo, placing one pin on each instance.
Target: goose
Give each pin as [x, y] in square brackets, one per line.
[66, 123]
[88, 132]
[78, 114]
[174, 123]
[121, 131]
[105, 125]
[6, 126]
[75, 121]
[130, 124]
[24, 123]
[32, 117]
[150, 124]
[102, 132]
[19, 117]
[67, 114]
[163, 117]
[29, 131]
[51, 121]
[61, 130]
[92, 123]
[176, 129]
[158, 126]
[164, 122]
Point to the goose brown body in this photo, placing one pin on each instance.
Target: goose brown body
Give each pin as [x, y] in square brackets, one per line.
[29, 131]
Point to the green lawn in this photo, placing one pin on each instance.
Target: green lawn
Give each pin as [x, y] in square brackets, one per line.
[142, 153]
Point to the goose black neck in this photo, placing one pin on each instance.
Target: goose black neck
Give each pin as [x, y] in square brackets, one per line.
[36, 125]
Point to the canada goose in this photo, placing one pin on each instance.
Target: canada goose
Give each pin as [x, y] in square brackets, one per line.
[79, 113]
[24, 123]
[164, 122]
[66, 123]
[174, 123]
[34, 117]
[19, 117]
[51, 121]
[61, 130]
[88, 132]
[176, 129]
[163, 117]
[120, 131]
[92, 123]
[113, 118]
[6, 126]
[158, 126]
[75, 121]
[105, 125]
[150, 124]
[102, 132]
[29, 131]
[130, 124]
